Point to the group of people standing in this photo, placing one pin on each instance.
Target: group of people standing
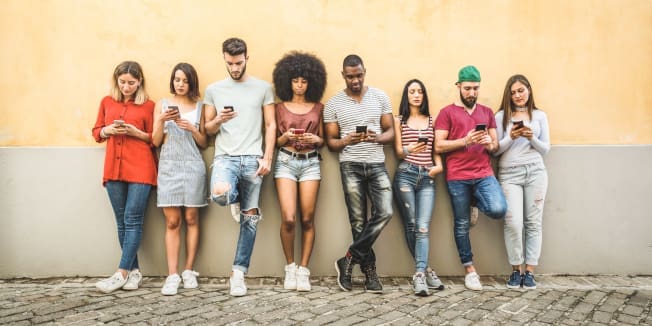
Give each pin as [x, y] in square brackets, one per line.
[356, 123]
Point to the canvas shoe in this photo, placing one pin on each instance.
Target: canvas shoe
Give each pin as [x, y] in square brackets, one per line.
[303, 279]
[432, 280]
[134, 280]
[112, 283]
[171, 285]
[344, 268]
[420, 285]
[528, 281]
[474, 216]
[472, 281]
[237, 284]
[235, 211]
[290, 281]
[515, 280]
[189, 279]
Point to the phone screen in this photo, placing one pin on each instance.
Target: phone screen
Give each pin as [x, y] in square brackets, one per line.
[518, 124]
[228, 108]
[480, 127]
[361, 129]
[299, 131]
[423, 140]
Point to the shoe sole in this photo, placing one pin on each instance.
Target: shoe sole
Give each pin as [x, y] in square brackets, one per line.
[513, 287]
[472, 289]
[337, 268]
[237, 294]
[422, 293]
[530, 287]
[125, 287]
[438, 288]
[373, 291]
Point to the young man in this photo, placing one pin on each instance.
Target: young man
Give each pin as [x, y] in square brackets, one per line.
[466, 132]
[235, 110]
[358, 121]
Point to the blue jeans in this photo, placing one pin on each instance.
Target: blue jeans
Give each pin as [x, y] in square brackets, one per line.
[129, 201]
[360, 180]
[239, 172]
[490, 201]
[414, 191]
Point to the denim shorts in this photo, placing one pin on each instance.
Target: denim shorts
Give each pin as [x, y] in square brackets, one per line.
[288, 167]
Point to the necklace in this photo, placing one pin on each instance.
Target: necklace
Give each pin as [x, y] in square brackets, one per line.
[520, 109]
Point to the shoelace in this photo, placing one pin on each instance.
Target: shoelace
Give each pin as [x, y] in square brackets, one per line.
[370, 272]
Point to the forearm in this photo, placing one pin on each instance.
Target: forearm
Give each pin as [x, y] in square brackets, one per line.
[200, 139]
[337, 144]
[385, 137]
[213, 127]
[445, 145]
[270, 135]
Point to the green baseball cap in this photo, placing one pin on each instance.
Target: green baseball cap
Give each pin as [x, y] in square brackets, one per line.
[468, 73]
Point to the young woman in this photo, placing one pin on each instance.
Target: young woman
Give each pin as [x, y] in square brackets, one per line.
[414, 184]
[524, 137]
[299, 80]
[125, 122]
[179, 130]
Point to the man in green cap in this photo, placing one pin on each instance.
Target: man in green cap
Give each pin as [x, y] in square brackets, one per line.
[466, 132]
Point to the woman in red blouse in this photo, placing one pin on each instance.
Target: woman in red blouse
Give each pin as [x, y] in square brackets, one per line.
[125, 122]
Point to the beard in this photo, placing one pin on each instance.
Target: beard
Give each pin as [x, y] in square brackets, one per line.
[468, 102]
[240, 75]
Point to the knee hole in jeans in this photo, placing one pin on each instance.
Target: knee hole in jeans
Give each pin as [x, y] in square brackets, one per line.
[220, 188]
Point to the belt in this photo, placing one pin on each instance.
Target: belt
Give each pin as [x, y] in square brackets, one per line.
[300, 156]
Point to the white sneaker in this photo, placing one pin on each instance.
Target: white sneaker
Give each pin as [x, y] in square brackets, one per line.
[472, 281]
[112, 283]
[237, 283]
[235, 211]
[134, 280]
[474, 216]
[189, 279]
[303, 279]
[171, 285]
[290, 281]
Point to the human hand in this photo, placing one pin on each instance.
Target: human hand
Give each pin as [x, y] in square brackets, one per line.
[309, 138]
[186, 125]
[264, 166]
[474, 137]
[353, 138]
[169, 115]
[416, 147]
[369, 136]
[225, 115]
[526, 132]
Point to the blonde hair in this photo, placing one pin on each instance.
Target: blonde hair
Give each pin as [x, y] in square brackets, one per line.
[134, 69]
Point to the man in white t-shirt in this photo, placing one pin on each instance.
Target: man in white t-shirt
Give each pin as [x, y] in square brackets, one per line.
[236, 109]
[358, 121]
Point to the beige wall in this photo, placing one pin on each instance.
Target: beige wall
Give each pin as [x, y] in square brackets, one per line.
[589, 60]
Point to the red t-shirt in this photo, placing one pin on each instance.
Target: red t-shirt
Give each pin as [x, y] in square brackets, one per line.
[310, 121]
[127, 158]
[473, 161]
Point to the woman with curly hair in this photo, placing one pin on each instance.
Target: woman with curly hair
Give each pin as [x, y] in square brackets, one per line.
[299, 80]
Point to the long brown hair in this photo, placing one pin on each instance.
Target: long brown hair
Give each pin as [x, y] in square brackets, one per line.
[134, 69]
[507, 104]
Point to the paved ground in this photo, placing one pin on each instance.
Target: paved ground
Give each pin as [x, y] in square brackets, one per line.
[566, 300]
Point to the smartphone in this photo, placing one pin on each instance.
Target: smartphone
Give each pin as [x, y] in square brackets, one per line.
[360, 129]
[173, 108]
[299, 131]
[119, 122]
[518, 124]
[423, 140]
[480, 127]
[228, 108]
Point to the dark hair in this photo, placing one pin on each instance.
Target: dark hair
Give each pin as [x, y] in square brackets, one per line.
[193, 81]
[234, 46]
[404, 108]
[296, 64]
[135, 70]
[507, 104]
[352, 60]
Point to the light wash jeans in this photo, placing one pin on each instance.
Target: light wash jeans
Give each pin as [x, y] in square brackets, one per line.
[129, 201]
[240, 173]
[525, 189]
[414, 191]
[490, 201]
[360, 180]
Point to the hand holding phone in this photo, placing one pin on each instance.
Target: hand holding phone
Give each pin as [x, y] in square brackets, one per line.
[298, 131]
[518, 124]
[119, 123]
[228, 108]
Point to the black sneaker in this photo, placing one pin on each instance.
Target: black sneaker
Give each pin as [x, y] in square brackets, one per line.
[344, 268]
[372, 283]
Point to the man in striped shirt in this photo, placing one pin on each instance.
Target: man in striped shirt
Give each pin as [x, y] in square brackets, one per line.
[358, 121]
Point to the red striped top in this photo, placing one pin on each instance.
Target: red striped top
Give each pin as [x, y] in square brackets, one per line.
[409, 135]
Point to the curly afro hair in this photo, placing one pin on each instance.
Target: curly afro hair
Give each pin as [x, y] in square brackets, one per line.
[297, 64]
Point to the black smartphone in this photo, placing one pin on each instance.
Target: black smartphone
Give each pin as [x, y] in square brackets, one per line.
[360, 129]
[173, 108]
[480, 127]
[518, 124]
[423, 140]
[228, 108]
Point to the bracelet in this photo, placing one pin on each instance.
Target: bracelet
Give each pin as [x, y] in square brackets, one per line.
[466, 144]
[406, 151]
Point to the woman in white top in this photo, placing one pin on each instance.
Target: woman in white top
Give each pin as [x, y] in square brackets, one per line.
[179, 130]
[524, 138]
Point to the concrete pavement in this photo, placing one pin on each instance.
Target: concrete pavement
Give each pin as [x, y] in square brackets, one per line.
[563, 300]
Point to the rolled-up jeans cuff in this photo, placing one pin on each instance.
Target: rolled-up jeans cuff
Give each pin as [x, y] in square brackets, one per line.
[470, 263]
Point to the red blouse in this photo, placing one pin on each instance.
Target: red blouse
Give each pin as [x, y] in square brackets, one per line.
[127, 158]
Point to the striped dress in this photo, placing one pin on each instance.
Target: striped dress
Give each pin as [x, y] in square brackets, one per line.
[410, 135]
[182, 172]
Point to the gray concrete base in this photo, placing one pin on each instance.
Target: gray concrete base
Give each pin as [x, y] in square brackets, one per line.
[57, 220]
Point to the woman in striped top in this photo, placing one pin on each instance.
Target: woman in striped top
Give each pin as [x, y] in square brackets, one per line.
[414, 184]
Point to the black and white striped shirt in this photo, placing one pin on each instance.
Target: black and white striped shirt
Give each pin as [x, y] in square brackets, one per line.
[348, 114]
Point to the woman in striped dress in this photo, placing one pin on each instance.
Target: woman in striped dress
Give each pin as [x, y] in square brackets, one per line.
[179, 130]
[414, 183]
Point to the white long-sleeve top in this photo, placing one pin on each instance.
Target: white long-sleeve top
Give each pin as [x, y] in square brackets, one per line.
[520, 151]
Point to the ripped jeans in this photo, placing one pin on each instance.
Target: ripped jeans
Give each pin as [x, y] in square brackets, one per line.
[525, 189]
[414, 191]
[239, 174]
[360, 180]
